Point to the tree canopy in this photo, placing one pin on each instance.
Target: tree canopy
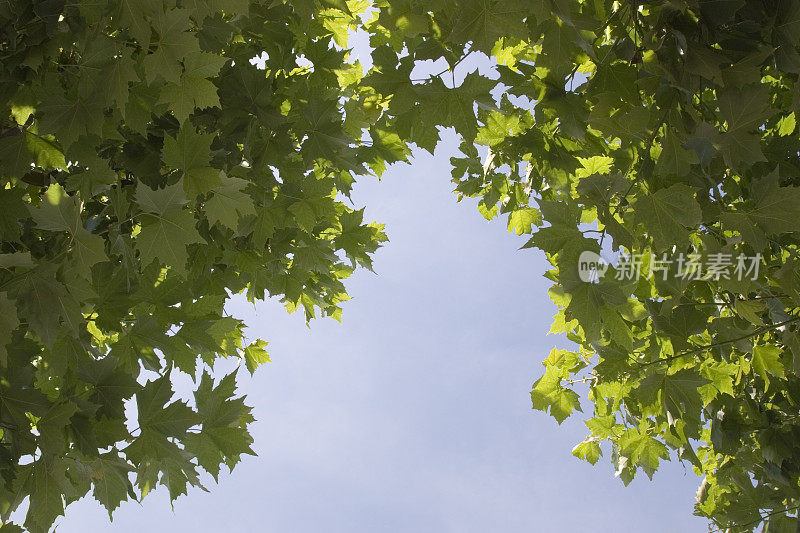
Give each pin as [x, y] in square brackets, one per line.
[665, 133]
[151, 167]
[149, 170]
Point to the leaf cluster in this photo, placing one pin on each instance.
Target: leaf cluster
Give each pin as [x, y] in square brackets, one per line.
[637, 128]
[151, 167]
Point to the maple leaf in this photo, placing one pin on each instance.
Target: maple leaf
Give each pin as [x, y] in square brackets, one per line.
[58, 211]
[8, 323]
[187, 94]
[134, 15]
[589, 451]
[229, 203]
[92, 181]
[190, 152]
[255, 355]
[160, 201]
[173, 44]
[643, 449]
[15, 156]
[667, 213]
[110, 483]
[68, 118]
[675, 160]
[766, 362]
[48, 484]
[45, 302]
[117, 77]
[485, 21]
[164, 238]
[12, 210]
[549, 394]
[88, 250]
[222, 438]
[676, 394]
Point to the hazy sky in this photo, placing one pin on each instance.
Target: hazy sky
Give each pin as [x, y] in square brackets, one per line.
[414, 415]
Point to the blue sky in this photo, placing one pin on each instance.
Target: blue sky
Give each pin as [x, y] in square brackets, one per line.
[414, 414]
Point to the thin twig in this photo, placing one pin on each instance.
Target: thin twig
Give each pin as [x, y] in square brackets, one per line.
[753, 522]
[707, 347]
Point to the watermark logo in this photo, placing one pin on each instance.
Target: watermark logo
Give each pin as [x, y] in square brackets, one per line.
[591, 267]
[693, 266]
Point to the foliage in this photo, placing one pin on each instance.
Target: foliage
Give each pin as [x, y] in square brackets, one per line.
[645, 128]
[149, 170]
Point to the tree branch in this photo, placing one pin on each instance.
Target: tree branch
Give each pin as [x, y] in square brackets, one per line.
[701, 349]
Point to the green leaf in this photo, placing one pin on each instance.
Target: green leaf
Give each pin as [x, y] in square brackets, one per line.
[778, 211]
[190, 152]
[521, 220]
[741, 148]
[110, 483]
[588, 450]
[767, 362]
[676, 394]
[548, 394]
[706, 62]
[45, 303]
[133, 15]
[555, 238]
[744, 108]
[203, 64]
[189, 93]
[67, 118]
[180, 97]
[160, 201]
[58, 211]
[48, 486]
[316, 256]
[223, 438]
[498, 128]
[787, 125]
[594, 165]
[15, 157]
[117, 77]
[484, 22]
[12, 210]
[189, 149]
[18, 259]
[601, 427]
[88, 250]
[720, 376]
[620, 331]
[52, 427]
[586, 301]
[440, 105]
[667, 214]
[8, 323]
[675, 160]
[255, 355]
[164, 238]
[155, 415]
[303, 212]
[174, 43]
[229, 203]
[643, 449]
[92, 181]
